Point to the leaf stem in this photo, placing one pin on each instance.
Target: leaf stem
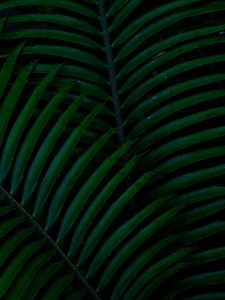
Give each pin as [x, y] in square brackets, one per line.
[52, 243]
[112, 73]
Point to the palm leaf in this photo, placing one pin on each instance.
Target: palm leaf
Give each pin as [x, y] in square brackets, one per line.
[112, 149]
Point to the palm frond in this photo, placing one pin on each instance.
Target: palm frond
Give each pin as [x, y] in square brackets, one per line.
[112, 149]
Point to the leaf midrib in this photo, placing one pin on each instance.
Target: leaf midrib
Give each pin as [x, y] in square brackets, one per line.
[112, 72]
[52, 243]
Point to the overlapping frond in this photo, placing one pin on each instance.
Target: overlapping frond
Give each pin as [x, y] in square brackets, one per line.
[111, 146]
[30, 267]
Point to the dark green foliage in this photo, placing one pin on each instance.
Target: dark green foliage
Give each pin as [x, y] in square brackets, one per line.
[112, 149]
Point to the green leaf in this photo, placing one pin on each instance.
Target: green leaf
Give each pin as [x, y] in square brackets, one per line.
[65, 52]
[179, 124]
[110, 215]
[184, 142]
[135, 25]
[157, 62]
[173, 108]
[16, 264]
[51, 34]
[131, 246]
[8, 67]
[63, 4]
[13, 242]
[166, 43]
[59, 19]
[9, 224]
[189, 237]
[59, 161]
[32, 137]
[98, 203]
[4, 210]
[130, 273]
[45, 150]
[116, 6]
[123, 231]
[187, 180]
[172, 91]
[21, 122]
[162, 24]
[199, 195]
[208, 256]
[151, 287]
[20, 286]
[74, 72]
[201, 280]
[151, 83]
[180, 161]
[200, 213]
[124, 13]
[209, 296]
[71, 178]
[88, 211]
[84, 193]
[12, 97]
[154, 270]
[56, 289]
[46, 273]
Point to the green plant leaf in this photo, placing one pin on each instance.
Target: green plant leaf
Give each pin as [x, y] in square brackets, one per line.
[19, 125]
[112, 149]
